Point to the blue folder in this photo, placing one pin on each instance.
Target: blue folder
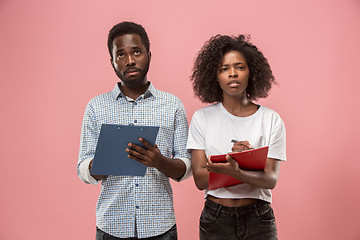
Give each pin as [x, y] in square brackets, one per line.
[110, 155]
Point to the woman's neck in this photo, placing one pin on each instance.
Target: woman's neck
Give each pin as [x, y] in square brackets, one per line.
[240, 107]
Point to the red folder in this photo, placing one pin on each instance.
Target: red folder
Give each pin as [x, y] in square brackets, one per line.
[253, 159]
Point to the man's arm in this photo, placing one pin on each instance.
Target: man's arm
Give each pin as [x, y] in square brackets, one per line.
[178, 167]
[84, 172]
[152, 157]
[88, 140]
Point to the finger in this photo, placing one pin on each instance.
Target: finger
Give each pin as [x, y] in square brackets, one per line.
[229, 159]
[140, 160]
[135, 155]
[209, 162]
[244, 143]
[137, 148]
[146, 143]
[247, 144]
[232, 162]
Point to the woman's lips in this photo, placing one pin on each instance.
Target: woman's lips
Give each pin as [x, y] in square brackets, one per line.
[234, 83]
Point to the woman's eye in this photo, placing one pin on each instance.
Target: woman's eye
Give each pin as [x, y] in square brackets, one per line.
[222, 69]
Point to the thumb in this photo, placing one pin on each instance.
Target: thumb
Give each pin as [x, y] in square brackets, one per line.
[230, 159]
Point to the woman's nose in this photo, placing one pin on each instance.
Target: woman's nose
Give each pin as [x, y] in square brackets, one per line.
[232, 73]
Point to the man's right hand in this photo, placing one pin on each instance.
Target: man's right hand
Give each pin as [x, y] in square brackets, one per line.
[97, 177]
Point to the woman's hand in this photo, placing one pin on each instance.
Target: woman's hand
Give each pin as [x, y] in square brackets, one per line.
[231, 167]
[240, 146]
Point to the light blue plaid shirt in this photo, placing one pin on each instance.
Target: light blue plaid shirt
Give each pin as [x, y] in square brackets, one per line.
[133, 205]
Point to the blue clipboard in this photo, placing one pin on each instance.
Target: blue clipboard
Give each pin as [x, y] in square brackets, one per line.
[110, 155]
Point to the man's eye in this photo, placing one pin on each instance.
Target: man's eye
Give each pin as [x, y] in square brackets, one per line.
[137, 53]
[120, 55]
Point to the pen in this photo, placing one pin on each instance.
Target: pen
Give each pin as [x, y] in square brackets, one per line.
[234, 141]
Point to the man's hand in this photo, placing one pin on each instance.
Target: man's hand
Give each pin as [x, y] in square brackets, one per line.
[97, 177]
[151, 157]
[240, 146]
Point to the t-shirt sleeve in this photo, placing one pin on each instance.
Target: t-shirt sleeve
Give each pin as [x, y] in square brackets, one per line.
[277, 146]
[196, 138]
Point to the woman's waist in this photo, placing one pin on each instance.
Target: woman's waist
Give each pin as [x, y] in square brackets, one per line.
[231, 202]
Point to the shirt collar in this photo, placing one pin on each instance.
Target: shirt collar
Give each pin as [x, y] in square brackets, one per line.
[151, 91]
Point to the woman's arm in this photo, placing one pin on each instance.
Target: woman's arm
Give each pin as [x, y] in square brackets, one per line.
[200, 173]
[266, 179]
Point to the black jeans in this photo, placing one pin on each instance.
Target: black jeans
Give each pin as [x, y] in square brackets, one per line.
[254, 221]
[169, 235]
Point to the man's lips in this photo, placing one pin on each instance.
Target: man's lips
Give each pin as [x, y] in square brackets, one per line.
[131, 72]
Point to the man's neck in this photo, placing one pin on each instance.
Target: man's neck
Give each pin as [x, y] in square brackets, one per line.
[134, 92]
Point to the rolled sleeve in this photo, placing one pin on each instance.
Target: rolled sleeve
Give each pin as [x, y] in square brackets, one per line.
[84, 172]
[188, 172]
[180, 139]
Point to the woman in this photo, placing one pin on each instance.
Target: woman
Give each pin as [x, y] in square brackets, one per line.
[232, 73]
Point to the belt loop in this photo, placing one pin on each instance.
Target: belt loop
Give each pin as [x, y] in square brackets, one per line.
[218, 210]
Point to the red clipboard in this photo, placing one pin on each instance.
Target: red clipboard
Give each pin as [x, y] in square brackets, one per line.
[254, 159]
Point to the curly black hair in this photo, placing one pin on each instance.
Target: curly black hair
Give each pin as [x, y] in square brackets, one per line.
[206, 65]
[127, 28]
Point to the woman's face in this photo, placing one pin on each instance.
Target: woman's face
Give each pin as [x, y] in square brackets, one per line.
[233, 74]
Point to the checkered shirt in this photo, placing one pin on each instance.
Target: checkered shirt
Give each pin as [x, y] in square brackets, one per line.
[136, 205]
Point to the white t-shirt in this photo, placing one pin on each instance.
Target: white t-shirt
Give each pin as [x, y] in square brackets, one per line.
[212, 128]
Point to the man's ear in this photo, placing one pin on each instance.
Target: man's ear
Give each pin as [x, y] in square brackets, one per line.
[111, 61]
[149, 54]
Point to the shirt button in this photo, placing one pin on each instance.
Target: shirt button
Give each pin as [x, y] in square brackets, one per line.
[137, 207]
[136, 185]
[135, 103]
[135, 121]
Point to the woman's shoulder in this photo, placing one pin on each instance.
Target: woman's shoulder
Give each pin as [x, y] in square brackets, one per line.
[268, 110]
[270, 114]
[210, 109]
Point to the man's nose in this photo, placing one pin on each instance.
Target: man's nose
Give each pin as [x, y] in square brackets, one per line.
[130, 61]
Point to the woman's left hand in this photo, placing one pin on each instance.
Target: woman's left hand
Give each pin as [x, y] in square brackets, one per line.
[229, 168]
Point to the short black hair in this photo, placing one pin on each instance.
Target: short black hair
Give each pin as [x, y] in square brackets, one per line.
[127, 28]
[204, 76]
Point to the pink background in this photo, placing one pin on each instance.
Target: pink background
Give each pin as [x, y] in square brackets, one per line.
[53, 59]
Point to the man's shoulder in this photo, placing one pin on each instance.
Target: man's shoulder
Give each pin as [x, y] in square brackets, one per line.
[100, 100]
[102, 97]
[166, 96]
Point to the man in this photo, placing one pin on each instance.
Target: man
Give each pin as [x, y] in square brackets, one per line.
[133, 207]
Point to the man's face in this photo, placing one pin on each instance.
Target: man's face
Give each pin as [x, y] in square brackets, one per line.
[130, 59]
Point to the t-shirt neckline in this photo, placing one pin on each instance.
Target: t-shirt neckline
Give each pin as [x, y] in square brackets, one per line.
[236, 117]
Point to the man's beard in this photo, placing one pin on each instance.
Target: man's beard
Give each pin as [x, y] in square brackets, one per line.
[136, 81]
